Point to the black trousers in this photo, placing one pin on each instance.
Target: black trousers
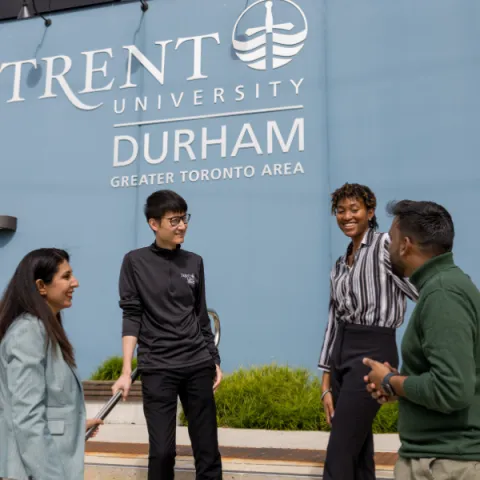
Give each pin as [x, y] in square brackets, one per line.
[160, 391]
[350, 449]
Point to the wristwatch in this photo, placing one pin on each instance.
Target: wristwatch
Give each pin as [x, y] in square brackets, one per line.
[387, 388]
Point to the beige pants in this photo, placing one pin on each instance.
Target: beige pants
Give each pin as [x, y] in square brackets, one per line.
[436, 469]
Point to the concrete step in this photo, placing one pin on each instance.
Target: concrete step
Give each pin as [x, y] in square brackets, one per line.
[123, 469]
[107, 461]
[120, 452]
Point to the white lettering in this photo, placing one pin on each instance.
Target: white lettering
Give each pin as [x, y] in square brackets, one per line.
[133, 51]
[247, 128]
[218, 93]
[298, 168]
[115, 107]
[296, 85]
[141, 105]
[266, 170]
[197, 53]
[145, 179]
[272, 127]
[146, 149]
[186, 144]
[215, 174]
[193, 175]
[249, 171]
[116, 145]
[205, 175]
[17, 76]
[175, 101]
[274, 85]
[239, 91]
[60, 78]
[221, 141]
[197, 97]
[90, 70]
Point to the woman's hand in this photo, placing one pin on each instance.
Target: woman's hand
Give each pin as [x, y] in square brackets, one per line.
[92, 422]
[218, 377]
[328, 407]
[327, 398]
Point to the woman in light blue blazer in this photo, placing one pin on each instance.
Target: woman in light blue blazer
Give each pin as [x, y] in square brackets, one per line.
[42, 410]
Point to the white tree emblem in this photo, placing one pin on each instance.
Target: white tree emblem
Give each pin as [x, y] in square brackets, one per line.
[285, 46]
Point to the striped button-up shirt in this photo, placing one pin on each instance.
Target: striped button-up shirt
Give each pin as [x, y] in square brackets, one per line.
[367, 293]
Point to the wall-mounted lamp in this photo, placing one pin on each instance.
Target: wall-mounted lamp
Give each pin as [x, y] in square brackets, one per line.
[144, 5]
[8, 223]
[25, 13]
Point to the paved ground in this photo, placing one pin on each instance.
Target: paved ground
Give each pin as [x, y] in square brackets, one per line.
[382, 459]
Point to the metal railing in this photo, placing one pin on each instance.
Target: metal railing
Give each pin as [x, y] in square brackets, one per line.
[110, 405]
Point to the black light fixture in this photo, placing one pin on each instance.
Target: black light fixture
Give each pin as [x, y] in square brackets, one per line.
[144, 5]
[8, 223]
[24, 11]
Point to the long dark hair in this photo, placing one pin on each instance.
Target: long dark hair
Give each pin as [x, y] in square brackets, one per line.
[22, 296]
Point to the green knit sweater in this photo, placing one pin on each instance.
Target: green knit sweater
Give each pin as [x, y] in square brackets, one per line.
[440, 414]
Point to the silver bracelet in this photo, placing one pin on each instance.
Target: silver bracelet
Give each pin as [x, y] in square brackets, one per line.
[325, 392]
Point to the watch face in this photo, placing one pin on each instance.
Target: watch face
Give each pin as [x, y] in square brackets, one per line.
[388, 389]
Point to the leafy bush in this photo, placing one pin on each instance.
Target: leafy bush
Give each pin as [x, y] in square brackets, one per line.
[276, 397]
[111, 369]
[386, 419]
[270, 397]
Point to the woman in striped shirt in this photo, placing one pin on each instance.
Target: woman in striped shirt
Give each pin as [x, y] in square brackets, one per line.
[367, 305]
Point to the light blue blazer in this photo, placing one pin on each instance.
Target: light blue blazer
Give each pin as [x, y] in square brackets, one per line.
[42, 409]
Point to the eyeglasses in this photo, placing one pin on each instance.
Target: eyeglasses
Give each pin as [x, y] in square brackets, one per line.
[175, 221]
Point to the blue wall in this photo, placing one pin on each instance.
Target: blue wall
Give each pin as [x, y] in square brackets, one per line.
[389, 98]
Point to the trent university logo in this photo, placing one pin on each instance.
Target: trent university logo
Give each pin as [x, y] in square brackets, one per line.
[271, 45]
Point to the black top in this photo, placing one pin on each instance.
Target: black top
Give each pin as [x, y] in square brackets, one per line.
[162, 295]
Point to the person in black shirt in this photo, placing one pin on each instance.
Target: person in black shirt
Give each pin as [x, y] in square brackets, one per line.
[367, 305]
[162, 295]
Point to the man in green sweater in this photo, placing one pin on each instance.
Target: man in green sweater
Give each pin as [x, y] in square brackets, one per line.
[438, 387]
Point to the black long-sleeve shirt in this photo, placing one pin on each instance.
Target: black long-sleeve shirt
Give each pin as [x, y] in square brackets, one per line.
[162, 295]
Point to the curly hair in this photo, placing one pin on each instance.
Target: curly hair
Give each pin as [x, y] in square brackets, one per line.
[355, 190]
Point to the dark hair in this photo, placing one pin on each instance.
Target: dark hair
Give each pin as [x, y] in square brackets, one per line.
[428, 224]
[22, 296]
[163, 201]
[355, 190]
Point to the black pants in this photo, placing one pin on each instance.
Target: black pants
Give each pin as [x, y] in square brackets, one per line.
[194, 385]
[350, 449]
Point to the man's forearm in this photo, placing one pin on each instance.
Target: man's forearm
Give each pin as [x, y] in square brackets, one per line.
[129, 343]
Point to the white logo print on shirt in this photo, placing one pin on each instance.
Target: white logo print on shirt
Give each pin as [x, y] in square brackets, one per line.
[190, 277]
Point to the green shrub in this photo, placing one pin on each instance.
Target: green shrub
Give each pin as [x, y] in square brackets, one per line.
[270, 397]
[276, 397]
[111, 369]
[386, 419]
